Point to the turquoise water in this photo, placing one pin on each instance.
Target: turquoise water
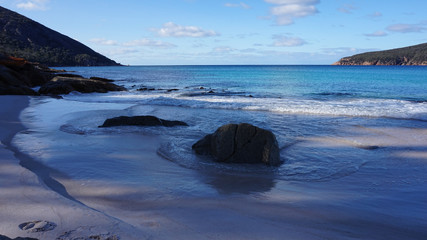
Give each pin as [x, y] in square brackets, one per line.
[369, 91]
[384, 82]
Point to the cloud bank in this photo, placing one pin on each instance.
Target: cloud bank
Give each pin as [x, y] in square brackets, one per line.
[286, 41]
[376, 34]
[406, 28]
[286, 11]
[33, 4]
[103, 41]
[171, 29]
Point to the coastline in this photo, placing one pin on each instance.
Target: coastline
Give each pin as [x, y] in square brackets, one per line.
[174, 202]
[26, 198]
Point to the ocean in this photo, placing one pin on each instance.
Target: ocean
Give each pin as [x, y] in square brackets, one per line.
[355, 129]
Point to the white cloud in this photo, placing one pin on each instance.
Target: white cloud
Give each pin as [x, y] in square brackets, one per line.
[287, 10]
[238, 5]
[406, 28]
[145, 42]
[286, 41]
[171, 29]
[33, 4]
[102, 41]
[376, 34]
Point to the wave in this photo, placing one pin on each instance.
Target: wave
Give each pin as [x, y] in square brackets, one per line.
[354, 107]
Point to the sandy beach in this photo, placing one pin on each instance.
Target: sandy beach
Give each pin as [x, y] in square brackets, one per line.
[25, 198]
[188, 120]
[174, 202]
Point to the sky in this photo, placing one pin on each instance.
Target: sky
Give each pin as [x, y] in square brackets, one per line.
[199, 32]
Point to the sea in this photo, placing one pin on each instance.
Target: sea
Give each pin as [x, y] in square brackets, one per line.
[294, 102]
[359, 128]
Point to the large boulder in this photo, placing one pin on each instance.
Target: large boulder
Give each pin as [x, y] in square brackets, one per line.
[141, 121]
[18, 76]
[12, 83]
[240, 143]
[65, 85]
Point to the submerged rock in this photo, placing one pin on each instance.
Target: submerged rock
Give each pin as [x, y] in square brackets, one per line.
[65, 85]
[141, 121]
[240, 143]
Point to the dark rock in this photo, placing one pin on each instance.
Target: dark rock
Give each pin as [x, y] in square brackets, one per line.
[145, 89]
[102, 79]
[14, 90]
[173, 89]
[65, 85]
[69, 75]
[2, 237]
[18, 76]
[242, 143]
[141, 121]
[211, 91]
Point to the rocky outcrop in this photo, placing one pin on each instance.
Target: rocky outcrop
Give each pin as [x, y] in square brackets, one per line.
[413, 55]
[65, 85]
[101, 79]
[240, 143]
[18, 76]
[141, 121]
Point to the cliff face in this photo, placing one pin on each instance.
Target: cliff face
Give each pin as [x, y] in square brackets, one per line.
[413, 55]
[24, 38]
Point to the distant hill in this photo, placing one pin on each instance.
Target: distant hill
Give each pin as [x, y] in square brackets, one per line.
[24, 38]
[413, 55]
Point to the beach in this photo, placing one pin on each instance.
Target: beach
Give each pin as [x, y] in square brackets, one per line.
[26, 198]
[188, 120]
[181, 203]
[354, 164]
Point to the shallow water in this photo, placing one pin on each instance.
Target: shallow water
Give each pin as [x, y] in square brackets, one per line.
[56, 132]
[295, 102]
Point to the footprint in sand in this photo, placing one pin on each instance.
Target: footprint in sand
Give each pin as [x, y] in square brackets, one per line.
[37, 226]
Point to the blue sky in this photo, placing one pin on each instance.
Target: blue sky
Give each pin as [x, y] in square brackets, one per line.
[163, 32]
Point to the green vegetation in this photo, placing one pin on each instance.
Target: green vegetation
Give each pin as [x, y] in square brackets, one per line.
[413, 55]
[25, 38]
